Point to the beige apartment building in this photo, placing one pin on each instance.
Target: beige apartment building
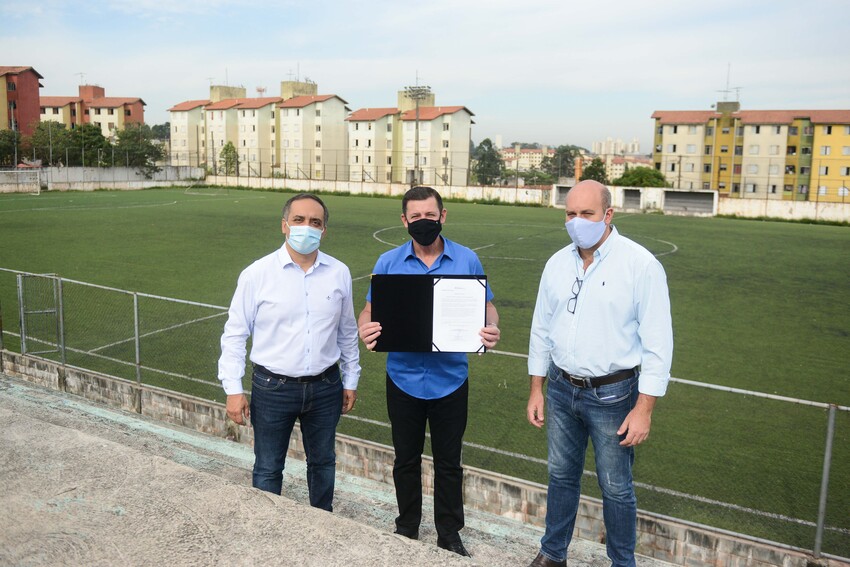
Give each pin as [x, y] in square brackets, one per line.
[524, 159]
[444, 136]
[313, 137]
[371, 145]
[188, 132]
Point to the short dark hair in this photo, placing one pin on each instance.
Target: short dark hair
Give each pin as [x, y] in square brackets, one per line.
[420, 193]
[300, 196]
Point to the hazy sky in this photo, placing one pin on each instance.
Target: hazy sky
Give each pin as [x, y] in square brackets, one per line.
[550, 71]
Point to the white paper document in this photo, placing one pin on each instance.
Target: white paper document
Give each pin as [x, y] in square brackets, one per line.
[459, 314]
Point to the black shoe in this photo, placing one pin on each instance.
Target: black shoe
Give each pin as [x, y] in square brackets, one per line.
[455, 546]
[408, 535]
[543, 561]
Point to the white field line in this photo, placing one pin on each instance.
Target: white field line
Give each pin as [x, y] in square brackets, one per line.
[162, 330]
[76, 208]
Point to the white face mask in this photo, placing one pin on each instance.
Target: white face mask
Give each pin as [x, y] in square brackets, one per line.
[304, 239]
[585, 233]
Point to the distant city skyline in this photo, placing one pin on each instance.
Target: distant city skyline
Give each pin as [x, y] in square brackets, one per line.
[537, 71]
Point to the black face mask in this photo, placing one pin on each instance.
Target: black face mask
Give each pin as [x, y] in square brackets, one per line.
[424, 231]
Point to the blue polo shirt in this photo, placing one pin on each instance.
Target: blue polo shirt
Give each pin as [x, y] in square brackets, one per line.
[429, 375]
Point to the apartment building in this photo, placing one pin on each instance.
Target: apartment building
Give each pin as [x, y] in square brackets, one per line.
[188, 132]
[257, 136]
[524, 159]
[313, 137]
[92, 106]
[19, 99]
[372, 145]
[616, 166]
[615, 147]
[762, 154]
[443, 149]
[222, 126]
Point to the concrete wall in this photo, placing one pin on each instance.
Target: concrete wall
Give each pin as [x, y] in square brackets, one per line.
[91, 178]
[675, 541]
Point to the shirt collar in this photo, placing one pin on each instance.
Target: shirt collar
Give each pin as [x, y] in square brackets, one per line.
[448, 249]
[603, 250]
[285, 258]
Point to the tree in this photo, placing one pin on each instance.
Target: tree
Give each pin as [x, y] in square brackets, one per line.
[161, 131]
[10, 147]
[229, 159]
[488, 165]
[135, 147]
[641, 177]
[50, 142]
[88, 147]
[595, 171]
[562, 164]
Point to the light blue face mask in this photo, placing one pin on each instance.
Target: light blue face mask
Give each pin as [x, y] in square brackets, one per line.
[585, 233]
[304, 239]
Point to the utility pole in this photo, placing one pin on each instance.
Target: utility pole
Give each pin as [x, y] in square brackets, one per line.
[417, 93]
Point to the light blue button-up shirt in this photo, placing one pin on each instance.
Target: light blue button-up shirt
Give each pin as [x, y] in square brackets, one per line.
[300, 322]
[621, 320]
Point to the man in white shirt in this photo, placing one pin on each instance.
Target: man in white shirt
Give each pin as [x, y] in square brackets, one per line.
[603, 336]
[296, 304]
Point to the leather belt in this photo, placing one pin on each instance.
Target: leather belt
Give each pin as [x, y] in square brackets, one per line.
[297, 379]
[613, 378]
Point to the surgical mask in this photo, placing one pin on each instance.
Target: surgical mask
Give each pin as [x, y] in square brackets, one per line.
[304, 239]
[585, 233]
[424, 231]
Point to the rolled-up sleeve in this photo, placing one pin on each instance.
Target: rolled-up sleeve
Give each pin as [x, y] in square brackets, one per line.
[655, 331]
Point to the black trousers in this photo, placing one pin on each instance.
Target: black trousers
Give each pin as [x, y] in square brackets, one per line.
[447, 420]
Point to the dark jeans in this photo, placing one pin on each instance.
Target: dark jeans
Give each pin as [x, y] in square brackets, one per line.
[447, 420]
[275, 405]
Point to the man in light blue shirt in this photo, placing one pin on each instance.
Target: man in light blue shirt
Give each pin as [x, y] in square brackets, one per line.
[296, 305]
[603, 336]
[428, 388]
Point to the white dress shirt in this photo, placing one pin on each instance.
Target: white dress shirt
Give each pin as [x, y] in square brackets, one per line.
[621, 320]
[300, 322]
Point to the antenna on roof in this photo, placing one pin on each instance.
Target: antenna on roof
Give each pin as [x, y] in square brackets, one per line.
[210, 79]
[82, 78]
[729, 89]
[261, 91]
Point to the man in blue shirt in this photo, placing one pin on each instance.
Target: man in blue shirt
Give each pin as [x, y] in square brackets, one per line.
[428, 387]
[603, 336]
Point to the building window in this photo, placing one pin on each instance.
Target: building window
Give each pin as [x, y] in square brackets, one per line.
[445, 127]
[825, 150]
[691, 149]
[10, 85]
[658, 148]
[822, 190]
[706, 185]
[318, 143]
[708, 150]
[97, 111]
[736, 187]
[739, 150]
[752, 168]
[756, 129]
[689, 167]
[845, 150]
[845, 171]
[739, 131]
[723, 167]
[389, 160]
[843, 191]
[445, 143]
[750, 187]
[754, 149]
[369, 143]
[660, 130]
[389, 126]
[724, 130]
[706, 168]
[658, 166]
[356, 159]
[709, 131]
[736, 169]
[793, 130]
[724, 149]
[774, 150]
[790, 169]
[773, 169]
[777, 129]
[318, 128]
[318, 159]
[827, 130]
[692, 129]
[791, 151]
[803, 189]
[808, 131]
[823, 170]
[805, 170]
[674, 129]
[671, 148]
[671, 167]
[318, 112]
[368, 159]
[721, 185]
[788, 188]
[806, 151]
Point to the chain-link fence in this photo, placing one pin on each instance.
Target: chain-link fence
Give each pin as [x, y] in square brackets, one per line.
[762, 465]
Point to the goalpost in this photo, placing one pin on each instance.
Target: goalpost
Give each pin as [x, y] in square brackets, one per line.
[20, 181]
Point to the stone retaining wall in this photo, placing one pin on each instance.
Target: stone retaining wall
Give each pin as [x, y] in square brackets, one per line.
[668, 539]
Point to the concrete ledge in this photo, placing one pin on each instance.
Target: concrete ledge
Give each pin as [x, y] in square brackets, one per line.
[662, 538]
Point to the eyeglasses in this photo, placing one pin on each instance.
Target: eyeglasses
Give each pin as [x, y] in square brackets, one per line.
[571, 303]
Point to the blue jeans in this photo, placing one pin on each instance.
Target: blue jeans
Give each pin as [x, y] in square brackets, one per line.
[275, 405]
[574, 415]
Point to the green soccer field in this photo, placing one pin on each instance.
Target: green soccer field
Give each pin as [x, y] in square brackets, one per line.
[758, 306]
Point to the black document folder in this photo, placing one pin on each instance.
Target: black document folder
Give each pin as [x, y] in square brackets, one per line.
[404, 305]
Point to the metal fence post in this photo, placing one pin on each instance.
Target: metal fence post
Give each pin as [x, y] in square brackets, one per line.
[60, 319]
[20, 278]
[824, 485]
[137, 338]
